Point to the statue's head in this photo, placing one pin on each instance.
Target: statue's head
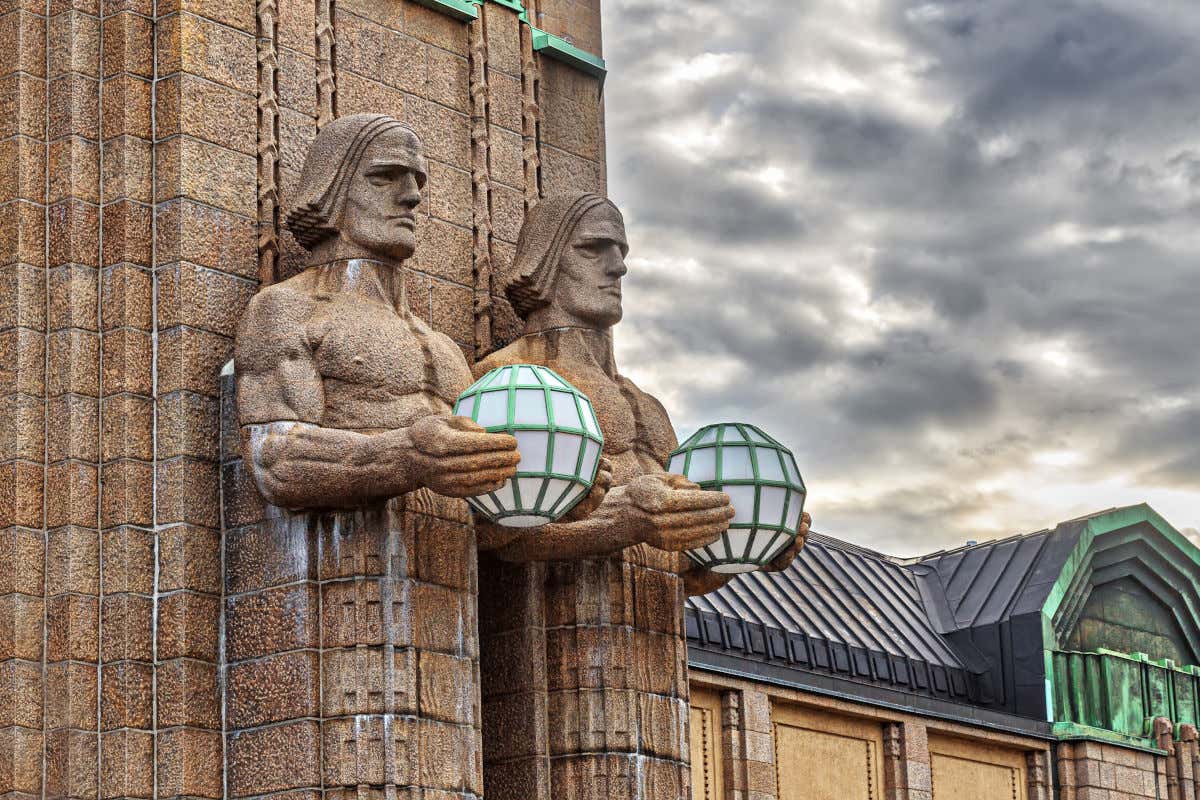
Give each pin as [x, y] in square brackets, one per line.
[359, 190]
[569, 263]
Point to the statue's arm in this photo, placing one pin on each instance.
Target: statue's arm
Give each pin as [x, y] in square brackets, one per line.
[297, 463]
[666, 511]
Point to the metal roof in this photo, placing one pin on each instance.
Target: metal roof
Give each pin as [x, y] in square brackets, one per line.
[838, 609]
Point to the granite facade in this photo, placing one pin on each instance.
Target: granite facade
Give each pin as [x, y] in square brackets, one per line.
[136, 170]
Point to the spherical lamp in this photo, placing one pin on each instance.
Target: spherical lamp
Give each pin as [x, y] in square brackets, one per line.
[558, 438]
[760, 476]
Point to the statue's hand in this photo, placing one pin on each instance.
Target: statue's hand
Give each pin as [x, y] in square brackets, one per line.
[672, 513]
[596, 496]
[784, 559]
[458, 458]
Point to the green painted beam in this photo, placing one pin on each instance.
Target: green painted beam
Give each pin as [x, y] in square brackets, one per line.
[560, 49]
[464, 10]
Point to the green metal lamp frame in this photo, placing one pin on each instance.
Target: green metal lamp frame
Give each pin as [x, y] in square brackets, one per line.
[762, 447]
[510, 379]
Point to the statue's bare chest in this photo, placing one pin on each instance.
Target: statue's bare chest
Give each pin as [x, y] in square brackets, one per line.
[378, 368]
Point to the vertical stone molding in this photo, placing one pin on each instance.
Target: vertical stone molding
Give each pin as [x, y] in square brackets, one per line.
[268, 141]
[326, 76]
[24, 311]
[1185, 761]
[530, 116]
[906, 762]
[1039, 783]
[480, 191]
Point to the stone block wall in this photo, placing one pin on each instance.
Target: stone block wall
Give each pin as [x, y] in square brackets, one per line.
[749, 761]
[148, 150]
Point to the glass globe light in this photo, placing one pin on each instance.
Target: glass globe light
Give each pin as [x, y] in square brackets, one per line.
[760, 476]
[558, 438]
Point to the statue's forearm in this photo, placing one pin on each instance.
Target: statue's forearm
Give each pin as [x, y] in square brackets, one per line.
[601, 534]
[301, 465]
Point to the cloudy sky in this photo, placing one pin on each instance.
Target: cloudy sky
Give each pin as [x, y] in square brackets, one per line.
[948, 251]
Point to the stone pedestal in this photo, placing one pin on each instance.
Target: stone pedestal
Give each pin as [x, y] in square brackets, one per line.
[351, 647]
[352, 651]
[585, 691]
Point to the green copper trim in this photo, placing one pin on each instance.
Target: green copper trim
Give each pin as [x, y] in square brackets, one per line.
[560, 49]
[1070, 731]
[463, 10]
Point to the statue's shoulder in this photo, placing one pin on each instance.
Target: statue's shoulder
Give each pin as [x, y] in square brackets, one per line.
[275, 317]
[514, 353]
[280, 305]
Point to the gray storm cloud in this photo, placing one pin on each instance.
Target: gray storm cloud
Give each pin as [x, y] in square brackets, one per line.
[946, 250]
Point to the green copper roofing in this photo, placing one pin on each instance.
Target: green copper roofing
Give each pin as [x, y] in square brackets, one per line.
[464, 10]
[560, 49]
[1105, 694]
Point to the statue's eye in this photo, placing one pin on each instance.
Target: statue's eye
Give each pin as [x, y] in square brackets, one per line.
[379, 179]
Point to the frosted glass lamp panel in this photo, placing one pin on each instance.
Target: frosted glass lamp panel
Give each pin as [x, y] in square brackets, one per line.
[755, 436]
[493, 409]
[566, 415]
[500, 378]
[738, 539]
[770, 546]
[591, 454]
[742, 499]
[555, 487]
[570, 499]
[709, 436]
[531, 407]
[466, 406]
[530, 489]
[795, 506]
[566, 453]
[793, 474]
[732, 434]
[676, 465]
[735, 463]
[769, 468]
[525, 521]
[704, 465]
[770, 505]
[525, 377]
[504, 495]
[532, 445]
[550, 379]
[589, 417]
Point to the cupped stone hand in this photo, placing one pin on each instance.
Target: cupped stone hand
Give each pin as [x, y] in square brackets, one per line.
[458, 458]
[674, 514]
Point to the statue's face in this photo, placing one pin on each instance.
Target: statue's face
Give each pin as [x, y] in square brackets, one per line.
[379, 214]
[588, 285]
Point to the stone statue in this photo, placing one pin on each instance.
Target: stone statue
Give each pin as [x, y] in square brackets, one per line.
[344, 401]
[344, 397]
[615, 659]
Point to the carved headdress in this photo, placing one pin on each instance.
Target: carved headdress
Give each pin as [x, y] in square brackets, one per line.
[331, 164]
[544, 236]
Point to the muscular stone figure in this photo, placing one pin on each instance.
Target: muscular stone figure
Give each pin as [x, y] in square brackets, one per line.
[615, 658]
[344, 401]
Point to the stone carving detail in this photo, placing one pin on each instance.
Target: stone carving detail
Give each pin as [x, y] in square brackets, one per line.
[326, 79]
[344, 401]
[530, 117]
[481, 190]
[268, 141]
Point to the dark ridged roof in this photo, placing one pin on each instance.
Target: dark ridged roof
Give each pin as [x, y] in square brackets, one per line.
[839, 609]
[962, 625]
